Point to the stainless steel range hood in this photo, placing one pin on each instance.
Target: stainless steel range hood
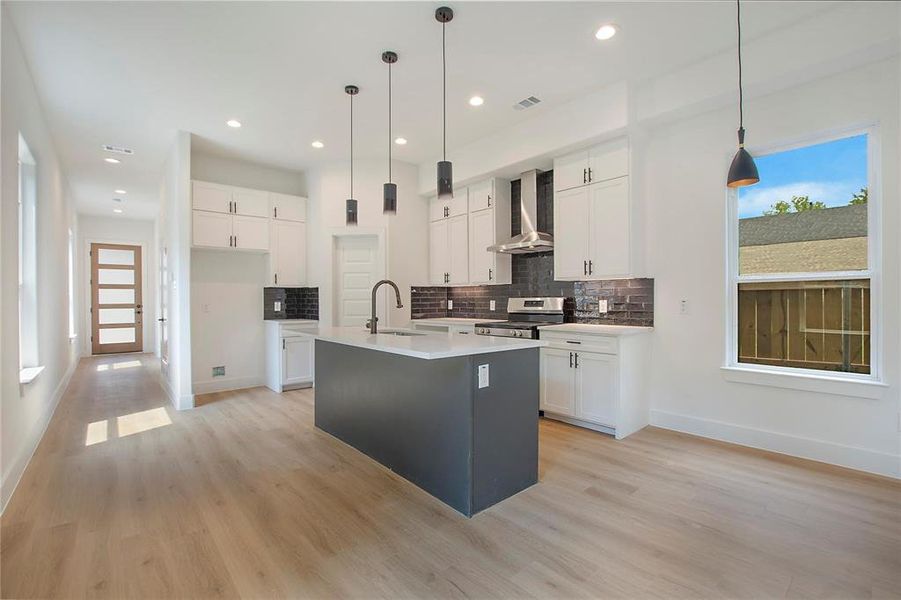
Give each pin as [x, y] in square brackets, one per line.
[530, 240]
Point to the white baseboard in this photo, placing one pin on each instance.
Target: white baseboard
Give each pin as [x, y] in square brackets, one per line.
[862, 459]
[225, 384]
[20, 463]
[183, 402]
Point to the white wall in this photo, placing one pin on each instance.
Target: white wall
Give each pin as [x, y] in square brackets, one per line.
[174, 231]
[26, 410]
[93, 229]
[687, 162]
[404, 235]
[227, 286]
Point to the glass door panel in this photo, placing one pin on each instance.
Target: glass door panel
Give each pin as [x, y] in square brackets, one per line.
[116, 305]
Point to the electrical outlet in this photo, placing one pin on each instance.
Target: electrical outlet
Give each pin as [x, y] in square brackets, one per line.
[205, 307]
[277, 306]
[683, 306]
[219, 371]
[450, 305]
[492, 305]
[483, 376]
[602, 306]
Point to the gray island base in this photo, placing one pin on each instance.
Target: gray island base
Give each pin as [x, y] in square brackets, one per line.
[430, 422]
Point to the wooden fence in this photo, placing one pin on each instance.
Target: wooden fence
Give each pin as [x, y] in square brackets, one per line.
[806, 324]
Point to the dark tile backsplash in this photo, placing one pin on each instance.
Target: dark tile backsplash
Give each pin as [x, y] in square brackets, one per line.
[297, 303]
[629, 301]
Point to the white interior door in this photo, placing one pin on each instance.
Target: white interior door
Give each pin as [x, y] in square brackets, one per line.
[357, 270]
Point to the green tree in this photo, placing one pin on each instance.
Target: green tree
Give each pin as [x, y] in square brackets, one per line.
[860, 197]
[796, 204]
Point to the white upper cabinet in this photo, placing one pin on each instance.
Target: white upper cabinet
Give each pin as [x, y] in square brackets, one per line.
[439, 246]
[482, 267]
[444, 208]
[288, 243]
[458, 251]
[597, 164]
[250, 203]
[211, 197]
[285, 207]
[481, 195]
[593, 222]
[212, 230]
[251, 233]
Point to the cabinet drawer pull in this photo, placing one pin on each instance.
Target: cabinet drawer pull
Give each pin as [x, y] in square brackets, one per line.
[572, 342]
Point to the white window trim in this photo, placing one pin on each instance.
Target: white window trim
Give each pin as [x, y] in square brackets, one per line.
[830, 382]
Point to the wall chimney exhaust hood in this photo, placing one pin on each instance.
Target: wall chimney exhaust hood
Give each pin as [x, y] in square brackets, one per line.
[530, 240]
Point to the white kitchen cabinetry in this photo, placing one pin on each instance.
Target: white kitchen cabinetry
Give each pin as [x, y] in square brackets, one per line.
[287, 259]
[593, 222]
[448, 251]
[444, 208]
[250, 203]
[284, 207]
[251, 233]
[211, 197]
[489, 223]
[595, 381]
[212, 230]
[290, 355]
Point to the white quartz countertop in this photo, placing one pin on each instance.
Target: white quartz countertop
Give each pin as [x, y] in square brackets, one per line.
[596, 329]
[429, 346]
[454, 321]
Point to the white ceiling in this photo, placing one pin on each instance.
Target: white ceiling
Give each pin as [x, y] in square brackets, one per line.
[131, 74]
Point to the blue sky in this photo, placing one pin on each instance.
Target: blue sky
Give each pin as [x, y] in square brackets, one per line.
[830, 172]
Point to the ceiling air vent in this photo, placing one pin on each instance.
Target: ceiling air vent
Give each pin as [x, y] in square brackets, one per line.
[526, 103]
[117, 149]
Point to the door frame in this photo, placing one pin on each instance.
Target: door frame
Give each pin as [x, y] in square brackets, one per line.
[382, 261]
[146, 266]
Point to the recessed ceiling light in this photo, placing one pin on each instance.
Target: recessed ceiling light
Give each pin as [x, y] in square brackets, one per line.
[476, 101]
[606, 31]
[117, 210]
[317, 144]
[400, 141]
[233, 123]
[114, 161]
[120, 191]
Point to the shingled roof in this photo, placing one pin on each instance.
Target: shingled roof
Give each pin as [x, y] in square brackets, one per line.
[820, 224]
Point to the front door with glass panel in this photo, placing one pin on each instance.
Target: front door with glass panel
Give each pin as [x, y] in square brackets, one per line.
[116, 306]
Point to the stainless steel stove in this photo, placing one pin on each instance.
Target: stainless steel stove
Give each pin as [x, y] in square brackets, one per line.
[526, 315]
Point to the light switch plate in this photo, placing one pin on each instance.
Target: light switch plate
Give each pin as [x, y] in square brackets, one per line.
[492, 305]
[277, 306]
[683, 307]
[450, 305]
[602, 306]
[483, 376]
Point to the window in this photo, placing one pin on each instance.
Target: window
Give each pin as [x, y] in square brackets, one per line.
[27, 209]
[71, 290]
[801, 267]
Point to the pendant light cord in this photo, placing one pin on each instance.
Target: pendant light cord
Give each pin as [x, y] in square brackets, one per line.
[740, 94]
[351, 146]
[389, 123]
[444, 89]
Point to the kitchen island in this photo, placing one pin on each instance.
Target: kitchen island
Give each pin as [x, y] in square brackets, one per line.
[455, 415]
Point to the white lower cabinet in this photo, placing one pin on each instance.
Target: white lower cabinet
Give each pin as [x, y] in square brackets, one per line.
[595, 381]
[290, 355]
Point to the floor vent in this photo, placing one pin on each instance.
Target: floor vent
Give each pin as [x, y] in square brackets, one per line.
[526, 103]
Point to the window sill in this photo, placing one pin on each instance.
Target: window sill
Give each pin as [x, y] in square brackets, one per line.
[808, 382]
[29, 374]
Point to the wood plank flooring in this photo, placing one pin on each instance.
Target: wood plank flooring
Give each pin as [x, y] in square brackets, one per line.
[244, 497]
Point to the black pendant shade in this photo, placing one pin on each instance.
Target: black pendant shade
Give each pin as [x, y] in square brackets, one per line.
[389, 191]
[742, 171]
[350, 217]
[445, 170]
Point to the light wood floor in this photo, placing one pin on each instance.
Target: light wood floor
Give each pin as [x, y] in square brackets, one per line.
[244, 497]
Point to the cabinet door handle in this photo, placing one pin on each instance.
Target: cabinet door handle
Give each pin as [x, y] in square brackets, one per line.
[590, 268]
[236, 241]
[577, 360]
[589, 174]
[284, 347]
[489, 200]
[584, 175]
[276, 279]
[570, 360]
[275, 212]
[584, 267]
[490, 275]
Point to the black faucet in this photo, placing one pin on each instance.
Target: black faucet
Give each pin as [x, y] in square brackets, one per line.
[373, 321]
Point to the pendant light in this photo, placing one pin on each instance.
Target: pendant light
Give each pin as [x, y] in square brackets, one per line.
[743, 171]
[445, 170]
[351, 204]
[389, 204]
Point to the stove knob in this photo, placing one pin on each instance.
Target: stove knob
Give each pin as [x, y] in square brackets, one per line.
[517, 333]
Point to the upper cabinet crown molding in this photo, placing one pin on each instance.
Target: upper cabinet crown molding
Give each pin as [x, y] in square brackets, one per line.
[594, 231]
